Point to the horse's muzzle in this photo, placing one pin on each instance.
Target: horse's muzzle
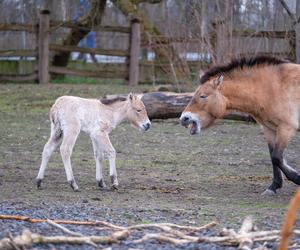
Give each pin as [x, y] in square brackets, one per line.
[190, 120]
[185, 121]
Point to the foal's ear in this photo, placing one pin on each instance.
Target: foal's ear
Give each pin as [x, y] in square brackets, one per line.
[130, 96]
[218, 81]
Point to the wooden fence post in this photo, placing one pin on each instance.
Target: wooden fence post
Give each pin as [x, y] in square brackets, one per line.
[135, 45]
[43, 50]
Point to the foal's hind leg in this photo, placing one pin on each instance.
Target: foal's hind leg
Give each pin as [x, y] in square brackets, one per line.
[50, 146]
[277, 174]
[66, 148]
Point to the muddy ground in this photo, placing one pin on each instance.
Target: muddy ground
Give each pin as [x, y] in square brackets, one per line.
[165, 175]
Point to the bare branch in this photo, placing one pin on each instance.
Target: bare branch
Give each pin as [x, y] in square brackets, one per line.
[286, 7]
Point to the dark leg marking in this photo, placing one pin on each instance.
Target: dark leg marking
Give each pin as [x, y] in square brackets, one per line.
[101, 184]
[290, 173]
[277, 176]
[39, 183]
[114, 186]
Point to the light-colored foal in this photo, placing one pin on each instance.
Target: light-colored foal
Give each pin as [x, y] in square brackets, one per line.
[70, 115]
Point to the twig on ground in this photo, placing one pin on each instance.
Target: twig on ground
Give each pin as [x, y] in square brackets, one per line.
[64, 229]
[246, 242]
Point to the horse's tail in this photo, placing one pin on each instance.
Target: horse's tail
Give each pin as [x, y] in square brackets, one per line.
[289, 221]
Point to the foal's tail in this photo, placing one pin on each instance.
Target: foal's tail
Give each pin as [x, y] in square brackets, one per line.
[289, 221]
[56, 129]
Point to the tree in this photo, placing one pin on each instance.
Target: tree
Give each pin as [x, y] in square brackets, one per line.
[85, 25]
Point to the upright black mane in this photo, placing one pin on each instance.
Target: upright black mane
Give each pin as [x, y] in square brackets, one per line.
[113, 100]
[240, 64]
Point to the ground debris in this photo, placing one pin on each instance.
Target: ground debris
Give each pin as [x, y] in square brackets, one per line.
[169, 233]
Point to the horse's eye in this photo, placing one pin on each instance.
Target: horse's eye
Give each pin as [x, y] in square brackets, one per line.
[203, 96]
[138, 110]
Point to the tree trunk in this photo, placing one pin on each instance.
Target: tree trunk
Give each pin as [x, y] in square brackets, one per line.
[92, 19]
[165, 105]
[178, 70]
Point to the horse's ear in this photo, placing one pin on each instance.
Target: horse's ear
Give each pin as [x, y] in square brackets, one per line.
[218, 81]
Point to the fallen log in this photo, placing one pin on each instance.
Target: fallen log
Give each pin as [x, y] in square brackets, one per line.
[165, 105]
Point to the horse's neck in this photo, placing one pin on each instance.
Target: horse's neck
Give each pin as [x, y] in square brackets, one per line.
[240, 96]
[119, 112]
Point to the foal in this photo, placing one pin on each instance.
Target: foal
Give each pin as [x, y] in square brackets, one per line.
[69, 115]
[264, 87]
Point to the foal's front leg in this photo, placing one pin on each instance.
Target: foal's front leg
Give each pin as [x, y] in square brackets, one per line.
[98, 158]
[111, 155]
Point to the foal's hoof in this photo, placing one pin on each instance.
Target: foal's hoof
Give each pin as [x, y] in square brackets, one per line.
[268, 192]
[101, 184]
[39, 183]
[74, 186]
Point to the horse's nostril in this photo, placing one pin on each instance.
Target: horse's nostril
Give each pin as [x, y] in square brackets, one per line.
[185, 119]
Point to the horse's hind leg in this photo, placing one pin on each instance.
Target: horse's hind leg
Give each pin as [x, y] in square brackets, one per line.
[50, 146]
[66, 148]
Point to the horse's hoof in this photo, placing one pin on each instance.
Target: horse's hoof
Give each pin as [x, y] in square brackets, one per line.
[114, 187]
[268, 192]
[39, 183]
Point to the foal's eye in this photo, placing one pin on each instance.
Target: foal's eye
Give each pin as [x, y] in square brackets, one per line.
[203, 96]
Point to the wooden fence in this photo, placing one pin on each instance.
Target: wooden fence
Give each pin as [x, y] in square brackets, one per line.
[133, 68]
[43, 31]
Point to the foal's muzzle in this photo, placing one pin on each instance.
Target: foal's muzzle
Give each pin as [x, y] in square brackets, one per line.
[146, 126]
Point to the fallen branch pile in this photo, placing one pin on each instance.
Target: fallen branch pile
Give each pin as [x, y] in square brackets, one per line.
[162, 232]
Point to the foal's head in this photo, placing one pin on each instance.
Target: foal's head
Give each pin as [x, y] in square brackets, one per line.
[137, 114]
[206, 105]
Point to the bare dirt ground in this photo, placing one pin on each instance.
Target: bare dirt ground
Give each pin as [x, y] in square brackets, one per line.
[165, 175]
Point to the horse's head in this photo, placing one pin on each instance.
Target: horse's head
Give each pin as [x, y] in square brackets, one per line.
[206, 105]
[137, 114]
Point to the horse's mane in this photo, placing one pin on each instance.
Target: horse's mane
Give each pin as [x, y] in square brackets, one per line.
[240, 64]
[113, 100]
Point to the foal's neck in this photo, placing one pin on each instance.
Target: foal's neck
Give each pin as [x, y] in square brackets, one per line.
[119, 112]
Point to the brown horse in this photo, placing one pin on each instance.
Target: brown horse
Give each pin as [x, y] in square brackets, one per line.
[266, 88]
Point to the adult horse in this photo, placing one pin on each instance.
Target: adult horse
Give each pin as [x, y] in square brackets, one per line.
[266, 88]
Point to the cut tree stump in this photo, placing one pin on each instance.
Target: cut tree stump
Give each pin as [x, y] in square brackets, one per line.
[165, 105]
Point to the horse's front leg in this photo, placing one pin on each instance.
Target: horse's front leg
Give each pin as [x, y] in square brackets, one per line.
[277, 177]
[111, 155]
[270, 136]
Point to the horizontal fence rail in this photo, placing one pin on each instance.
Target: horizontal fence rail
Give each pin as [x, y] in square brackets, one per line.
[133, 69]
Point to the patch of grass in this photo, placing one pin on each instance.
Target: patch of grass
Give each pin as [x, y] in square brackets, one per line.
[261, 154]
[145, 221]
[84, 80]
